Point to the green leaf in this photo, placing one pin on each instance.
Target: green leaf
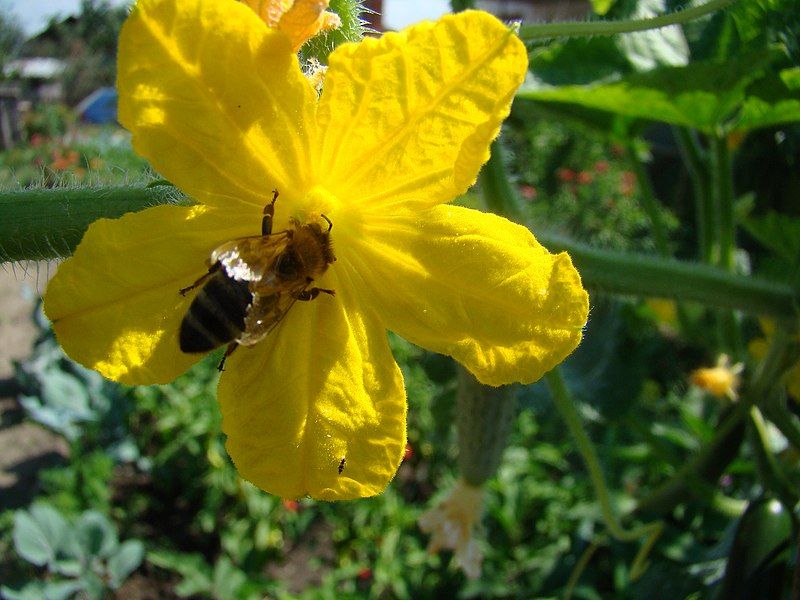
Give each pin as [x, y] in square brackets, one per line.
[61, 404]
[791, 78]
[702, 95]
[601, 7]
[756, 19]
[778, 233]
[772, 100]
[61, 590]
[578, 61]
[92, 586]
[31, 591]
[124, 561]
[653, 48]
[715, 38]
[69, 567]
[228, 580]
[38, 535]
[758, 562]
[193, 568]
[616, 128]
[95, 536]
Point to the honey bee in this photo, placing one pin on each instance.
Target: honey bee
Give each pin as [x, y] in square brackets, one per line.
[252, 282]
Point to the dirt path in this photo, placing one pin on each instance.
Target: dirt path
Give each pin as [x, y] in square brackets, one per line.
[24, 447]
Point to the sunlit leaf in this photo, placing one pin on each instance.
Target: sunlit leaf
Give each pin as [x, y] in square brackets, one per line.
[601, 7]
[702, 95]
[653, 48]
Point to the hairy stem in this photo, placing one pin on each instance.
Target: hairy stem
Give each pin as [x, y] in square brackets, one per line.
[538, 31]
[644, 275]
[46, 224]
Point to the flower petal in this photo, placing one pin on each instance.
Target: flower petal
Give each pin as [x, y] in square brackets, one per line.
[472, 285]
[215, 100]
[115, 305]
[410, 116]
[322, 388]
[306, 19]
[269, 11]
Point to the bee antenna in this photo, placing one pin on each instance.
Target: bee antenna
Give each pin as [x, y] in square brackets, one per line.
[330, 225]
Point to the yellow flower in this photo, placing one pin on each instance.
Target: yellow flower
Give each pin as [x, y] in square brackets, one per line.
[299, 19]
[217, 102]
[453, 524]
[719, 381]
[664, 310]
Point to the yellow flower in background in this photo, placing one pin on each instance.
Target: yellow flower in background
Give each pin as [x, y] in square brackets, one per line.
[722, 380]
[299, 19]
[217, 102]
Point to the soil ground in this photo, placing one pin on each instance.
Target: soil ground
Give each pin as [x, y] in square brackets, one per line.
[25, 447]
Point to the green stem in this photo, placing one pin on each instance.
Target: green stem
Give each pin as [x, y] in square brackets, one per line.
[581, 565]
[45, 224]
[566, 409]
[697, 165]
[730, 507]
[48, 224]
[723, 198]
[771, 475]
[538, 31]
[767, 379]
[729, 332]
[650, 276]
[707, 465]
[649, 201]
[644, 275]
[785, 420]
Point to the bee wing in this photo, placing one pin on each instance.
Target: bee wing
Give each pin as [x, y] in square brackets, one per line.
[266, 311]
[251, 258]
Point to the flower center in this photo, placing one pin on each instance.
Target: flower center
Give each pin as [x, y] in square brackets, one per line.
[320, 201]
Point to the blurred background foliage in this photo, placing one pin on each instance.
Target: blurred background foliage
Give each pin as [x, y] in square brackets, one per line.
[610, 139]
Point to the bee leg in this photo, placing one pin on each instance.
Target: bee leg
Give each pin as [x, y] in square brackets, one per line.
[269, 211]
[213, 269]
[228, 351]
[307, 295]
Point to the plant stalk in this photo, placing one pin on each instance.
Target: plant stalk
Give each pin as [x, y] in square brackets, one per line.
[643, 275]
[697, 166]
[538, 31]
[649, 201]
[47, 224]
[707, 465]
[566, 409]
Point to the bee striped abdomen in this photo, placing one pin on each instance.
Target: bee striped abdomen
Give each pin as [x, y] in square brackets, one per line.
[216, 315]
